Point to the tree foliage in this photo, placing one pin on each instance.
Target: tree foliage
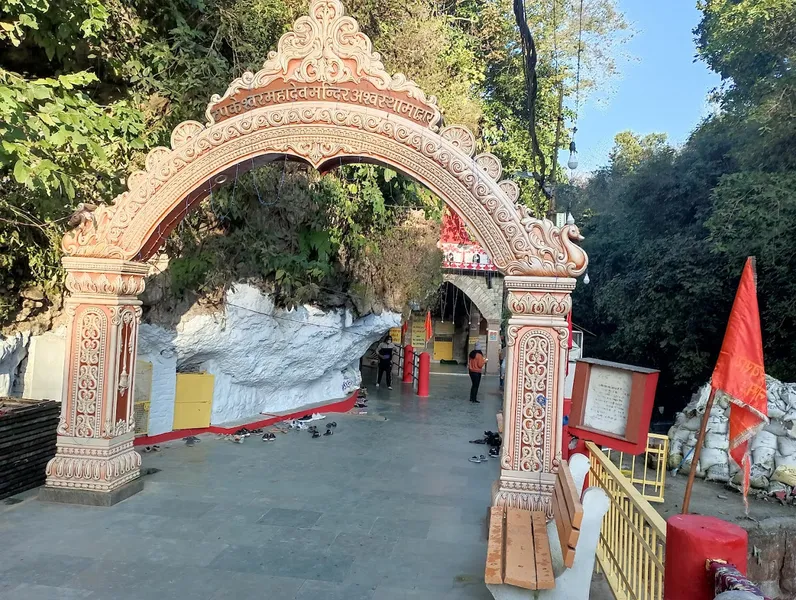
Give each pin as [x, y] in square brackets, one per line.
[668, 230]
[87, 87]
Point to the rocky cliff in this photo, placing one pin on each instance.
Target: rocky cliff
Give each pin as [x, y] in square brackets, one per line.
[263, 358]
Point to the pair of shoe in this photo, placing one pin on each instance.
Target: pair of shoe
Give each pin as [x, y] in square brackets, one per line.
[475, 401]
[269, 437]
[478, 459]
[312, 417]
[494, 452]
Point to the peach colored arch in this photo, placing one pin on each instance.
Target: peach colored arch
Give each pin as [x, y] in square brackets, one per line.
[325, 98]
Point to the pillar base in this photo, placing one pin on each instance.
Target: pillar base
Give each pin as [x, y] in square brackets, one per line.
[528, 491]
[94, 464]
[91, 497]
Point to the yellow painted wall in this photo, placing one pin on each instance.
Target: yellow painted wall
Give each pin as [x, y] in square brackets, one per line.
[193, 400]
[443, 340]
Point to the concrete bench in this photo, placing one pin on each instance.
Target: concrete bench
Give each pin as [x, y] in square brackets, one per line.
[522, 561]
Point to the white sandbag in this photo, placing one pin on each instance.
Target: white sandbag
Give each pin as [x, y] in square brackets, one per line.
[720, 473]
[759, 478]
[788, 396]
[718, 425]
[788, 460]
[786, 445]
[680, 434]
[763, 458]
[675, 447]
[764, 439]
[711, 456]
[733, 467]
[717, 440]
[776, 427]
[692, 424]
[775, 411]
[689, 455]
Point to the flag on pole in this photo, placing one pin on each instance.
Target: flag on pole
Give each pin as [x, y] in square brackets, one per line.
[429, 329]
[404, 329]
[739, 373]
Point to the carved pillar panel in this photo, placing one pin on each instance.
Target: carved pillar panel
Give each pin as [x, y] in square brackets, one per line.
[533, 402]
[95, 434]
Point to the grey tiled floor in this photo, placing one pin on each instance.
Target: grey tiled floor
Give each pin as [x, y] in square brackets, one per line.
[382, 510]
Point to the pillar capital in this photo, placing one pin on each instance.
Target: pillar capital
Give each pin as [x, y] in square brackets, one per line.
[104, 280]
[530, 297]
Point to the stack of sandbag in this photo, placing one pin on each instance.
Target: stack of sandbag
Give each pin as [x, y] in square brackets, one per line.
[773, 449]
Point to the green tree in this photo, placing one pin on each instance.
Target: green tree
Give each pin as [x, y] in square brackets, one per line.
[86, 88]
[668, 230]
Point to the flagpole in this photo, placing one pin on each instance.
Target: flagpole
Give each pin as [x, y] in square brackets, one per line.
[697, 451]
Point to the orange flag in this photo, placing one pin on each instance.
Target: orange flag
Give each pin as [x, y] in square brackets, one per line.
[429, 329]
[739, 373]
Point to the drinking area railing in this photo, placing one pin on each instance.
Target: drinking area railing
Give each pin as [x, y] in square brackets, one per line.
[632, 543]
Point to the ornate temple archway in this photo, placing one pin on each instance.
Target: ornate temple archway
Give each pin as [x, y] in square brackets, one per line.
[324, 97]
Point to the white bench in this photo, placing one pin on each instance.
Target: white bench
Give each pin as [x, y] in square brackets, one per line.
[522, 564]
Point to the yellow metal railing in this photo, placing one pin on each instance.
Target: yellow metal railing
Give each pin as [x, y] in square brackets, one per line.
[648, 475]
[633, 535]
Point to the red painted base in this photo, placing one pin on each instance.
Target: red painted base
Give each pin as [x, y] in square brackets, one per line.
[336, 407]
[690, 541]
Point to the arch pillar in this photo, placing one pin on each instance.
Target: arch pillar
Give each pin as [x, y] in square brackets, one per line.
[533, 400]
[95, 462]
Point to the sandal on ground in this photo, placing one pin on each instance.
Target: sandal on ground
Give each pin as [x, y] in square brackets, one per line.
[475, 459]
[315, 434]
[329, 432]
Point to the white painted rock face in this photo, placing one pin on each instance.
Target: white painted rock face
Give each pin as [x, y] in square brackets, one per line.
[263, 359]
[13, 350]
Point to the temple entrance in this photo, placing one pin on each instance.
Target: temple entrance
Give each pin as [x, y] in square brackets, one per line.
[324, 98]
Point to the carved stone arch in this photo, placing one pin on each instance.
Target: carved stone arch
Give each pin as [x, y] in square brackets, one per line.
[323, 97]
[490, 305]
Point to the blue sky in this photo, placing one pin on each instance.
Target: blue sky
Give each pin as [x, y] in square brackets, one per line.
[661, 89]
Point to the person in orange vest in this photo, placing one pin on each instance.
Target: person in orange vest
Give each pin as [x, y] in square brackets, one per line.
[475, 365]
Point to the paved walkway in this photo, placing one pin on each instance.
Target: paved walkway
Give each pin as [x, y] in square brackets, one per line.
[382, 510]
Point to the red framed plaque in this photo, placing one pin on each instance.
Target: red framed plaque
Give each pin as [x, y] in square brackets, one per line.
[612, 404]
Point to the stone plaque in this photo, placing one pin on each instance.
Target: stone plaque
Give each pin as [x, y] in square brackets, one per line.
[609, 400]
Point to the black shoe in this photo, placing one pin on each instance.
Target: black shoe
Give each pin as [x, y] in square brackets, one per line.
[475, 401]
[315, 434]
[329, 432]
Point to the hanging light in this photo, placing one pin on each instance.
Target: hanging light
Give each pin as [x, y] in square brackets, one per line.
[572, 163]
[586, 279]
